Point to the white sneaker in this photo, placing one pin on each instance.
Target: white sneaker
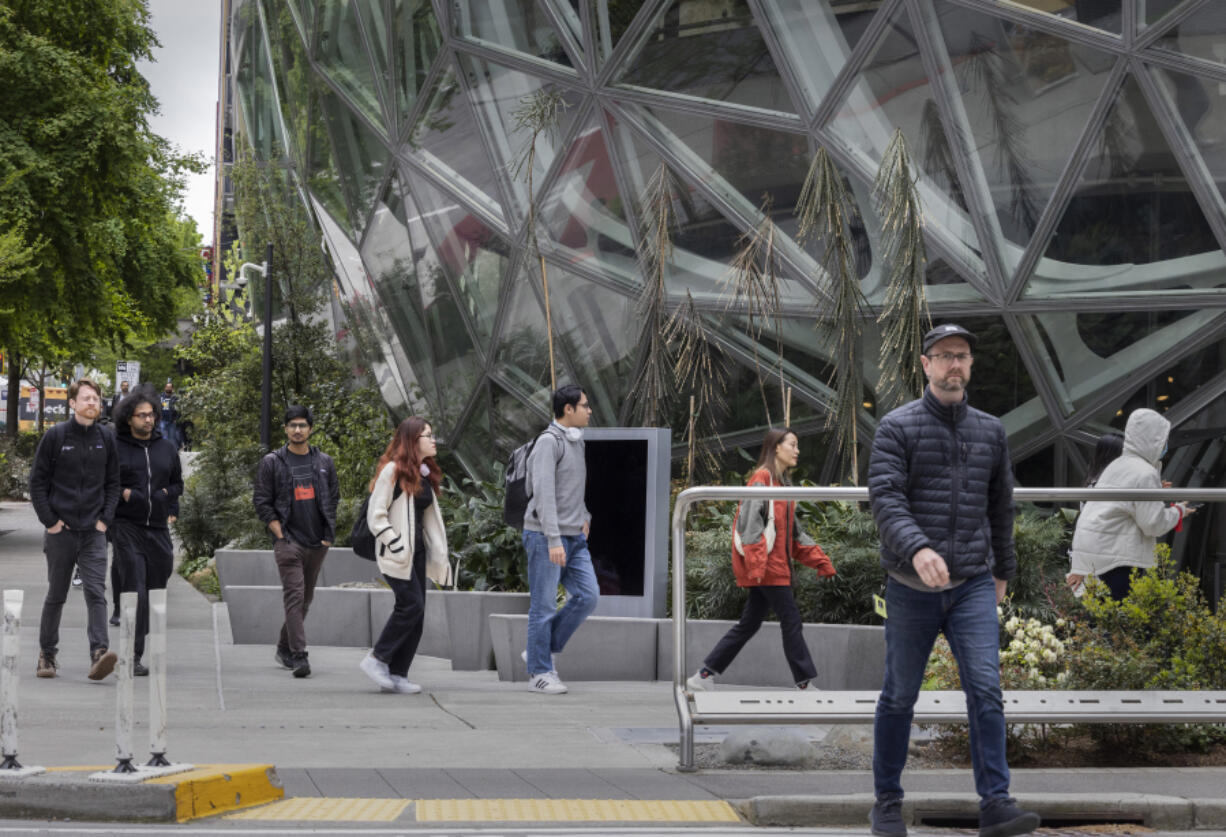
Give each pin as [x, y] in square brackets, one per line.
[523, 655]
[402, 685]
[698, 683]
[547, 684]
[377, 671]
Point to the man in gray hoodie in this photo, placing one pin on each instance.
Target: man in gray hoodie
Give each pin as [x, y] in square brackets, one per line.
[556, 525]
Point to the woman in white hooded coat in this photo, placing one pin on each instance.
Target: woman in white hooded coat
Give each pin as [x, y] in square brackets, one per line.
[1115, 537]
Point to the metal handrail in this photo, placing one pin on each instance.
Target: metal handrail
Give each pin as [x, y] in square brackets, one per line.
[690, 496]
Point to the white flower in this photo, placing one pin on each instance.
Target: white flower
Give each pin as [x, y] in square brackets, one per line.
[1060, 623]
[1049, 656]
[1031, 658]
[1042, 680]
[1062, 677]
[1011, 625]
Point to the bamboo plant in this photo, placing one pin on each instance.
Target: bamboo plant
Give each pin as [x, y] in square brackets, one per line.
[651, 390]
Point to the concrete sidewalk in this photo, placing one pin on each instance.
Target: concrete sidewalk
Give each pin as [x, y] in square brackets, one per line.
[467, 736]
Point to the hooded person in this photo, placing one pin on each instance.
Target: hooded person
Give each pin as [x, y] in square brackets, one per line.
[1115, 537]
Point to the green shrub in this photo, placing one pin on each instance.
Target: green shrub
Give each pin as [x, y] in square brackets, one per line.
[216, 508]
[487, 553]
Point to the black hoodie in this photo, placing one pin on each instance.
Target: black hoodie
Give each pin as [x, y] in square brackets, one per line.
[150, 469]
[75, 476]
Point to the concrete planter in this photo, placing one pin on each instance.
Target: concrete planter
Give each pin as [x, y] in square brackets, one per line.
[848, 657]
[468, 631]
[257, 567]
[338, 616]
[604, 648]
[434, 634]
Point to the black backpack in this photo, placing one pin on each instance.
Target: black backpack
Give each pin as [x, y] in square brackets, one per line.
[362, 540]
[515, 484]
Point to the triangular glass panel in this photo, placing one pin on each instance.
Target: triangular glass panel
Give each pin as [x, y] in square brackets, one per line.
[610, 20]
[341, 55]
[1005, 86]
[362, 156]
[471, 255]
[499, 95]
[567, 11]
[388, 251]
[293, 72]
[893, 90]
[712, 51]
[1103, 14]
[375, 22]
[473, 444]
[818, 39]
[514, 420]
[1154, 10]
[598, 330]
[584, 212]
[704, 241]
[943, 286]
[447, 139]
[296, 9]
[1133, 219]
[323, 175]
[256, 95]
[521, 354]
[1195, 100]
[415, 43]
[1000, 382]
[519, 25]
[1200, 35]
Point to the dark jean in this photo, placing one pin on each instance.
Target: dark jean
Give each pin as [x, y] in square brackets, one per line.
[299, 568]
[967, 617]
[549, 628]
[86, 550]
[761, 601]
[401, 635]
[144, 559]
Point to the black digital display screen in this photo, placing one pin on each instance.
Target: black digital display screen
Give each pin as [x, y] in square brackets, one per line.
[616, 489]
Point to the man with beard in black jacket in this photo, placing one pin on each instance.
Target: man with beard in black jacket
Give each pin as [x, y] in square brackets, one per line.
[74, 487]
[151, 482]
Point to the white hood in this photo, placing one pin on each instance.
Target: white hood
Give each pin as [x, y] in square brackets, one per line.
[1145, 435]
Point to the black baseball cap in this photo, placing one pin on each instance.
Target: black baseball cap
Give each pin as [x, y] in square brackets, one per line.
[948, 330]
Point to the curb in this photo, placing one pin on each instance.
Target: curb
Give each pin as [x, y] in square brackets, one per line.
[1167, 813]
[68, 793]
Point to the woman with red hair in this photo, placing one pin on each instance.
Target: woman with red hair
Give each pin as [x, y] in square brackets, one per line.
[411, 542]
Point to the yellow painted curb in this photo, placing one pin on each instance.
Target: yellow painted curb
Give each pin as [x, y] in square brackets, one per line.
[329, 808]
[574, 810]
[217, 788]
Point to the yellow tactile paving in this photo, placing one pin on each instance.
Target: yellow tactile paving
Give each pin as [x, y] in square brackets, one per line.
[574, 810]
[328, 808]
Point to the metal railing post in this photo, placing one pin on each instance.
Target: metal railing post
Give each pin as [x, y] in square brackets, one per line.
[124, 698]
[9, 678]
[156, 643]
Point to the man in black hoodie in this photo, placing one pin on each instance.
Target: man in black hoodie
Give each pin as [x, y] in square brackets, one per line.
[151, 482]
[74, 488]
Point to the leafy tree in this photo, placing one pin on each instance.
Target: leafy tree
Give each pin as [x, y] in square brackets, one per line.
[89, 191]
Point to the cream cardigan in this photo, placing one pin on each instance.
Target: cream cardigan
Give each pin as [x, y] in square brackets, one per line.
[392, 523]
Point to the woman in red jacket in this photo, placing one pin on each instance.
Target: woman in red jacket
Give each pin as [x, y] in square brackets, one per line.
[765, 539]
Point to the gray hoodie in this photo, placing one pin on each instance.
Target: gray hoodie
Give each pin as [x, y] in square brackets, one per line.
[1122, 533]
[557, 480]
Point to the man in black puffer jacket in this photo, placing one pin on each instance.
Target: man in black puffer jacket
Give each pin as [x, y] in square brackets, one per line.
[151, 482]
[941, 488]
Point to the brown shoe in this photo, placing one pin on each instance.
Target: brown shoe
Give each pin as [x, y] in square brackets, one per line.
[104, 664]
[46, 664]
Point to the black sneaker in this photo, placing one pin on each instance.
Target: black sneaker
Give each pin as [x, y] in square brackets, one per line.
[1002, 818]
[886, 817]
[285, 658]
[114, 620]
[300, 665]
[139, 669]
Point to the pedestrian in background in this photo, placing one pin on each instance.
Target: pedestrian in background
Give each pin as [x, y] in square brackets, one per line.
[405, 518]
[766, 539]
[74, 488]
[296, 492]
[151, 482]
[169, 422]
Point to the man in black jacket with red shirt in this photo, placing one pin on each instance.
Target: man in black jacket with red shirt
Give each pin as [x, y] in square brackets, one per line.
[940, 483]
[151, 482]
[74, 488]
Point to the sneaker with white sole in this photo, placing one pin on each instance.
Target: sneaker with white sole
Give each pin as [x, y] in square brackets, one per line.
[547, 684]
[377, 671]
[698, 683]
[523, 655]
[403, 686]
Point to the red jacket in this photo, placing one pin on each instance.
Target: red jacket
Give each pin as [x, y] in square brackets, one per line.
[757, 567]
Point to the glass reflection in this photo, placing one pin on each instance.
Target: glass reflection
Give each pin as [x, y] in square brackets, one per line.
[611, 19]
[1105, 14]
[415, 44]
[713, 51]
[515, 24]
[340, 53]
[1201, 104]
[361, 156]
[323, 176]
[254, 75]
[292, 72]
[513, 420]
[522, 351]
[1154, 10]
[1200, 35]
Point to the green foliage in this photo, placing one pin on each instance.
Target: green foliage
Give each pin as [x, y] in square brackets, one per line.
[1041, 543]
[487, 553]
[215, 509]
[16, 456]
[202, 574]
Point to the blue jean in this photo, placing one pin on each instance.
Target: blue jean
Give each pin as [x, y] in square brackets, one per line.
[967, 617]
[548, 627]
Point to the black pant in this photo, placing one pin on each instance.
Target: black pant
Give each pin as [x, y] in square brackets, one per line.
[1119, 581]
[299, 567]
[84, 549]
[761, 601]
[398, 642]
[144, 559]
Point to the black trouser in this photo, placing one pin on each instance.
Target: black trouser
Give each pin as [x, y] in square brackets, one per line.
[1118, 581]
[86, 550]
[299, 567]
[144, 559]
[761, 601]
[398, 642]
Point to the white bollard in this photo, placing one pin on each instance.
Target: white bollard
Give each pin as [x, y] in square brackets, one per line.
[155, 643]
[124, 698]
[9, 678]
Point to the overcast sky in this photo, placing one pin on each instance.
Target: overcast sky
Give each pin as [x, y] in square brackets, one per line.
[184, 80]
